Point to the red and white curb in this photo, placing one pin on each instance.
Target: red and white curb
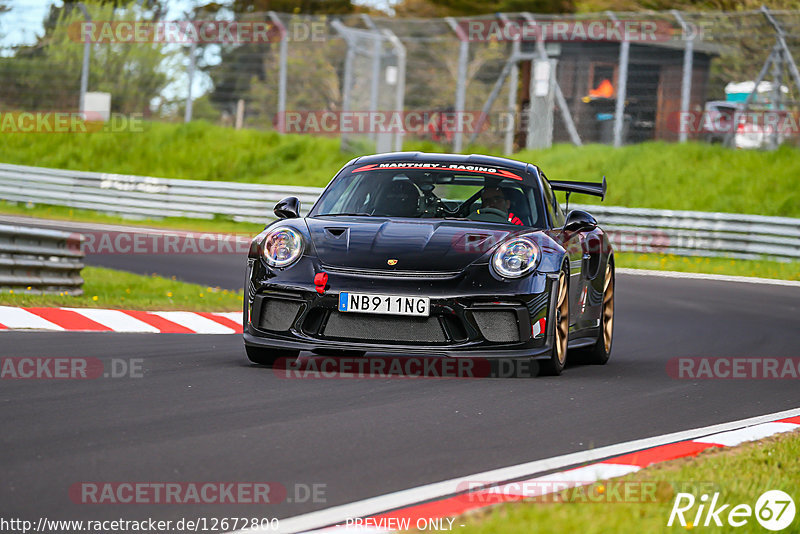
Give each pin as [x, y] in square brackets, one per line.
[447, 499]
[127, 321]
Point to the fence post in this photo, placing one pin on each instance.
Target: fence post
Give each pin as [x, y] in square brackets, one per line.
[560, 100]
[686, 80]
[281, 72]
[377, 45]
[777, 96]
[187, 116]
[622, 84]
[87, 50]
[400, 92]
[342, 30]
[239, 122]
[540, 108]
[513, 82]
[461, 84]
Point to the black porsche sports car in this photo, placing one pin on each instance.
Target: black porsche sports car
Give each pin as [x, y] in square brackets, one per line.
[433, 254]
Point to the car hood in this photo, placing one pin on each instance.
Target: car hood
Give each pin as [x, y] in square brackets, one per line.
[415, 244]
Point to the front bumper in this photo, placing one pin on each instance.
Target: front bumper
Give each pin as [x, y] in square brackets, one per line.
[473, 314]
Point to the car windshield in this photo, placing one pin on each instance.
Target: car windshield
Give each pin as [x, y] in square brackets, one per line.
[432, 194]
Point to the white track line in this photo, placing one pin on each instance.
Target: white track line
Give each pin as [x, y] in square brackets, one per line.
[436, 490]
[714, 277]
[752, 433]
[13, 318]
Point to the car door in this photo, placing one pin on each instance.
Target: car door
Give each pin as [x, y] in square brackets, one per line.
[573, 242]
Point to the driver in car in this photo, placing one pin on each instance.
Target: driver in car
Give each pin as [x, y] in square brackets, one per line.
[494, 207]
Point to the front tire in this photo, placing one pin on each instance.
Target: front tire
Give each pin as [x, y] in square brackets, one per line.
[558, 357]
[268, 357]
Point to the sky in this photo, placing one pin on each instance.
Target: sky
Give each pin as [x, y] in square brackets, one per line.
[24, 22]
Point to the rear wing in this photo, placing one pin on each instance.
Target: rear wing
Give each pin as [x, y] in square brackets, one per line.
[587, 188]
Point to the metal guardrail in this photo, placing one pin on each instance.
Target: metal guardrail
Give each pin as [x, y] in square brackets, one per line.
[693, 233]
[698, 233]
[144, 196]
[38, 260]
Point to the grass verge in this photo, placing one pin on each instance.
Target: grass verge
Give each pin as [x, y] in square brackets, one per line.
[196, 151]
[740, 475]
[112, 289]
[691, 176]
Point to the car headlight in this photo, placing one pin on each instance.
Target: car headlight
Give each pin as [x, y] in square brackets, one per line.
[282, 247]
[515, 258]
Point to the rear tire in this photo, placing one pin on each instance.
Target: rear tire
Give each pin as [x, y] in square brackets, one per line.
[599, 353]
[558, 357]
[268, 357]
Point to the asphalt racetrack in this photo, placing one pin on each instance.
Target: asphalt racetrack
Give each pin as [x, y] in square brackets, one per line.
[201, 412]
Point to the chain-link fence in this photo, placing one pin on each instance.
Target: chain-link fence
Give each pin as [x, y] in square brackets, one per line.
[510, 81]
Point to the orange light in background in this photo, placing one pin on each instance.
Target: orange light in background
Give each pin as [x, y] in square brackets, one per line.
[604, 90]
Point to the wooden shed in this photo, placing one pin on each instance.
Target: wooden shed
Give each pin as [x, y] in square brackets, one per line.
[587, 70]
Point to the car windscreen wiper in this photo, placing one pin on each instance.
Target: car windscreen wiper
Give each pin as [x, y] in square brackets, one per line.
[354, 214]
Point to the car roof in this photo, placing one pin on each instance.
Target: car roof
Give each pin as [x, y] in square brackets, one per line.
[525, 170]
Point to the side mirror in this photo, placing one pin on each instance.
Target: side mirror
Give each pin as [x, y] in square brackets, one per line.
[288, 208]
[580, 221]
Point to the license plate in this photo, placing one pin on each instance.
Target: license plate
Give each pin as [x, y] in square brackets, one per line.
[384, 304]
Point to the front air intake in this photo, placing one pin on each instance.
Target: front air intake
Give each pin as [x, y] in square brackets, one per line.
[498, 326]
[278, 315]
[384, 328]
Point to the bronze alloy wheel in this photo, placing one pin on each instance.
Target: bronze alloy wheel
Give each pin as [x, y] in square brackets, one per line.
[562, 320]
[599, 353]
[558, 357]
[608, 307]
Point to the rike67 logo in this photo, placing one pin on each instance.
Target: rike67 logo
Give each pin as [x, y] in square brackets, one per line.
[774, 510]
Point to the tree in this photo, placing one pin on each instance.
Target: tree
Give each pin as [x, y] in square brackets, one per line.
[462, 8]
[46, 75]
[457, 8]
[307, 7]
